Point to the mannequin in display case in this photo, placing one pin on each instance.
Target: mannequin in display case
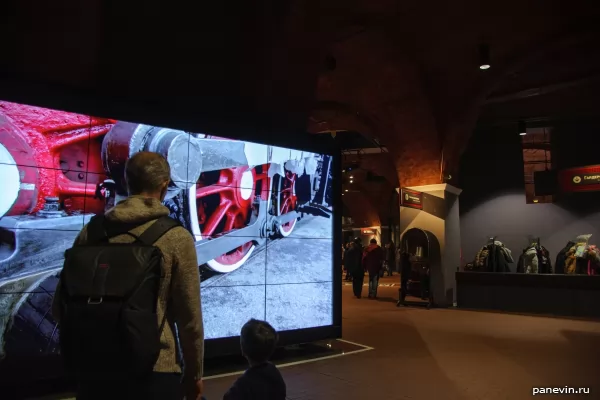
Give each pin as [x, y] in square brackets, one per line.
[535, 259]
[493, 257]
[579, 257]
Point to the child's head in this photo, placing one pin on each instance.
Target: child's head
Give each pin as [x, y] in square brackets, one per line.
[258, 340]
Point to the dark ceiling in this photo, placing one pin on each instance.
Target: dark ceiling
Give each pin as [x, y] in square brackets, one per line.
[399, 72]
[351, 140]
[404, 73]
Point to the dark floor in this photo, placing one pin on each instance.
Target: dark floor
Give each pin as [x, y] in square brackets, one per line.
[445, 354]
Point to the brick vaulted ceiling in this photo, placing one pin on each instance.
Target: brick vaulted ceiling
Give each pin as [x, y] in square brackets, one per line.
[406, 73]
[403, 72]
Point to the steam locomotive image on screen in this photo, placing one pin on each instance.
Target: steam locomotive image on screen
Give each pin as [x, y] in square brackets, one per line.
[238, 200]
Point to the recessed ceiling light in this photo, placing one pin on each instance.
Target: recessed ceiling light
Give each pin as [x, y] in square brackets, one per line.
[522, 128]
[484, 56]
[346, 190]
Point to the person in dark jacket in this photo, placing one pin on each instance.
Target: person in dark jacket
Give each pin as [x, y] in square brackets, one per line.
[390, 258]
[355, 269]
[372, 261]
[348, 276]
[148, 176]
[262, 381]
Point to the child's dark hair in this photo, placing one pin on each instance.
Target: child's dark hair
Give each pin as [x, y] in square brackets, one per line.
[258, 340]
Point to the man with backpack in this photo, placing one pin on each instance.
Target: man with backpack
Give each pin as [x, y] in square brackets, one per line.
[129, 293]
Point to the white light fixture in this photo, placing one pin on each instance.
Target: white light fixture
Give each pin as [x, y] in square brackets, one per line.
[346, 190]
[351, 177]
[351, 181]
[484, 57]
[522, 128]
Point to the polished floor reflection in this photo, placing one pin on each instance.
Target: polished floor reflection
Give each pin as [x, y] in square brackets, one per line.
[421, 354]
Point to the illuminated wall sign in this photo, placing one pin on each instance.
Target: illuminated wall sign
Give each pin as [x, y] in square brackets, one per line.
[581, 179]
[411, 199]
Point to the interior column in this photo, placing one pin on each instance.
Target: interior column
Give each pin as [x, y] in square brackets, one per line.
[437, 213]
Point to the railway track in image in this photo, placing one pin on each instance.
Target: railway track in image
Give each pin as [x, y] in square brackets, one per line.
[237, 199]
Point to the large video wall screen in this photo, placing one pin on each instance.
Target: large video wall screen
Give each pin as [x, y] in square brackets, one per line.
[260, 215]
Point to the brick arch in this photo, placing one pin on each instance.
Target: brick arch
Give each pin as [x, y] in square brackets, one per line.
[424, 122]
[379, 195]
[387, 87]
[380, 164]
[337, 116]
[460, 123]
[361, 209]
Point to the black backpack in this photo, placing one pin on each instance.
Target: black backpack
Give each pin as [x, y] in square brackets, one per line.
[109, 295]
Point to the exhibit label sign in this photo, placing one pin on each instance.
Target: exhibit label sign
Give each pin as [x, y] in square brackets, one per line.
[581, 179]
[411, 199]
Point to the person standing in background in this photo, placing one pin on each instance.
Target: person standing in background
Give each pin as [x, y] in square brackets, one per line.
[348, 276]
[372, 261]
[354, 267]
[390, 257]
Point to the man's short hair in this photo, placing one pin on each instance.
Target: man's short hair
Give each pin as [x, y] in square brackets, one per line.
[373, 241]
[258, 340]
[146, 172]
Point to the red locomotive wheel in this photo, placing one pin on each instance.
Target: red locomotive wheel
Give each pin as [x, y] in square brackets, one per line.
[286, 200]
[223, 203]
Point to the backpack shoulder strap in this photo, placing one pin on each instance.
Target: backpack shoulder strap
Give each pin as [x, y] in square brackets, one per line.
[151, 236]
[157, 230]
[96, 231]
[99, 229]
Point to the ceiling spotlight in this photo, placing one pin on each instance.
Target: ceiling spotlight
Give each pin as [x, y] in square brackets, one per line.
[351, 177]
[351, 180]
[346, 190]
[484, 56]
[522, 128]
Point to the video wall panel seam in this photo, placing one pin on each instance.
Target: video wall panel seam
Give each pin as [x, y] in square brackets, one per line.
[254, 211]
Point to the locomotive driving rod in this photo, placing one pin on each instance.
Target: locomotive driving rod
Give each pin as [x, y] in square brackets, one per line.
[315, 209]
[211, 248]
